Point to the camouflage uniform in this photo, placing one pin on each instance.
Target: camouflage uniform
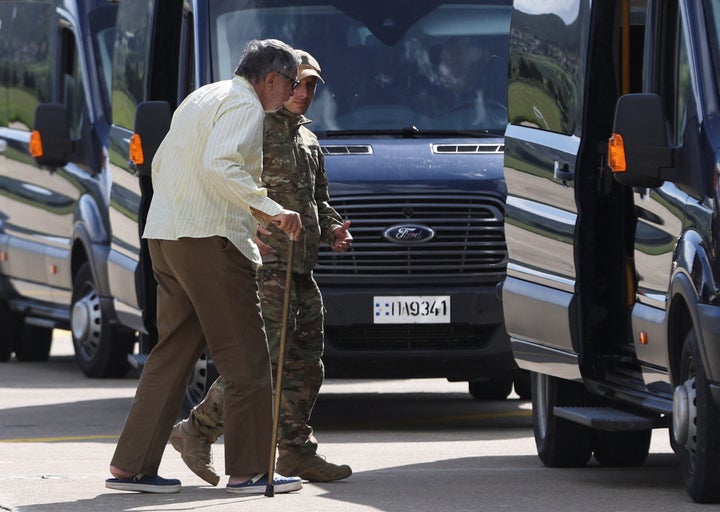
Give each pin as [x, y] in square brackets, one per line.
[294, 175]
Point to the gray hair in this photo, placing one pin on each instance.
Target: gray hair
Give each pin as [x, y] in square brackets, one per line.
[265, 56]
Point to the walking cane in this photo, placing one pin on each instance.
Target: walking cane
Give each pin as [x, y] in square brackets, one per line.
[270, 489]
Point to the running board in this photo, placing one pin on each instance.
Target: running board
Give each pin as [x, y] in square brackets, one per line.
[608, 418]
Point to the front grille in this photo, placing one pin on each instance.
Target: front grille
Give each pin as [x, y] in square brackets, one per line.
[409, 337]
[469, 237]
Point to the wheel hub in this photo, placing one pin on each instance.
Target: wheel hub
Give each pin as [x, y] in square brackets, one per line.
[85, 321]
[684, 414]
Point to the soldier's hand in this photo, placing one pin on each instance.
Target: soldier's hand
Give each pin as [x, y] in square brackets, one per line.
[343, 238]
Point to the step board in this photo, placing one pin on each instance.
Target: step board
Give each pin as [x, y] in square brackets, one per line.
[605, 418]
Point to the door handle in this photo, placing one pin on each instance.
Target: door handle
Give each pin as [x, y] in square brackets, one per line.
[562, 172]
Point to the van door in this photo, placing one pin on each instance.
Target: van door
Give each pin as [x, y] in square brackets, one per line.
[542, 143]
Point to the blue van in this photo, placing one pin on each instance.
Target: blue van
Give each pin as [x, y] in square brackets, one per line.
[611, 163]
[410, 122]
[54, 228]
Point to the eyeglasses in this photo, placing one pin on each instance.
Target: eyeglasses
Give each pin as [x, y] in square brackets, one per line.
[294, 82]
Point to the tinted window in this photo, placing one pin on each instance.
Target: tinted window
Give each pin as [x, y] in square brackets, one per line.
[102, 37]
[131, 61]
[712, 16]
[387, 64]
[26, 66]
[71, 80]
[6, 10]
[547, 64]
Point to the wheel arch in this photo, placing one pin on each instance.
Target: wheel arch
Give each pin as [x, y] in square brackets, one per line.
[692, 289]
[680, 321]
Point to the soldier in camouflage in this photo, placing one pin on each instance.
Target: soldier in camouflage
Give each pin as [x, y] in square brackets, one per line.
[294, 175]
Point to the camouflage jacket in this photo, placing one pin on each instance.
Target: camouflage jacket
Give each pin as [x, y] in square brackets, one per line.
[294, 175]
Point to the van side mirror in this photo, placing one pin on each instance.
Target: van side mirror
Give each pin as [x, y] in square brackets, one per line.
[152, 122]
[641, 126]
[50, 142]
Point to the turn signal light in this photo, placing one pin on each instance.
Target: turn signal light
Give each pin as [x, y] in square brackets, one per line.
[616, 153]
[136, 150]
[36, 147]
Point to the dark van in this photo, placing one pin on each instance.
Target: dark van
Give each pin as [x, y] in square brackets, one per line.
[611, 163]
[410, 123]
[54, 226]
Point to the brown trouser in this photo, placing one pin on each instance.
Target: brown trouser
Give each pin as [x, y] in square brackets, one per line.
[207, 293]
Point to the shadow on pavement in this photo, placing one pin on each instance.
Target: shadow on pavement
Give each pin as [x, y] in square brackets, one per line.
[472, 483]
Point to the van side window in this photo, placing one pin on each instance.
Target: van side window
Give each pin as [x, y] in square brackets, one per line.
[683, 87]
[104, 40]
[72, 91]
[130, 66]
[548, 73]
[28, 68]
[6, 60]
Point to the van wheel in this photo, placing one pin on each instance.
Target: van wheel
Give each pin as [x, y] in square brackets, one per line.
[34, 343]
[202, 377]
[101, 350]
[560, 443]
[494, 388]
[622, 449]
[696, 422]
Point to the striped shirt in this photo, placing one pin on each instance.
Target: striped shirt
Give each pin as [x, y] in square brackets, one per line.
[206, 172]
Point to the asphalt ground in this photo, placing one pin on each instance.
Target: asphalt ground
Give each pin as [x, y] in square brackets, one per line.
[414, 446]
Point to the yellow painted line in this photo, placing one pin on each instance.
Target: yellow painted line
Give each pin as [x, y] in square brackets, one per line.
[55, 439]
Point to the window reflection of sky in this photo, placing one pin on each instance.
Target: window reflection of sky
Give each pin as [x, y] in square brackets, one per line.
[567, 10]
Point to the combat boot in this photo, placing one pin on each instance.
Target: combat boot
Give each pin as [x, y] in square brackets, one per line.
[310, 466]
[195, 451]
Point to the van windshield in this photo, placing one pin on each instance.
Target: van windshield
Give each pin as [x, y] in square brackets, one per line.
[387, 64]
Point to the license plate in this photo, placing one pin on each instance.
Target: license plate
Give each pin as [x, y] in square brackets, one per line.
[419, 309]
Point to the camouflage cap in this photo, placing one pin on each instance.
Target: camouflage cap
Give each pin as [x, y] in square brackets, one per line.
[308, 66]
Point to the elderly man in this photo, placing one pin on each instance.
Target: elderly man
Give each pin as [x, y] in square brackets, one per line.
[294, 174]
[200, 230]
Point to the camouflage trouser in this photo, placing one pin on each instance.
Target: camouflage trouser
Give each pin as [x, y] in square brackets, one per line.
[304, 371]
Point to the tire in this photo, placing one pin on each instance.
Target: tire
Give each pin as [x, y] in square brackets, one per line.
[101, 349]
[698, 444]
[522, 384]
[34, 343]
[622, 448]
[203, 375]
[495, 388]
[560, 443]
